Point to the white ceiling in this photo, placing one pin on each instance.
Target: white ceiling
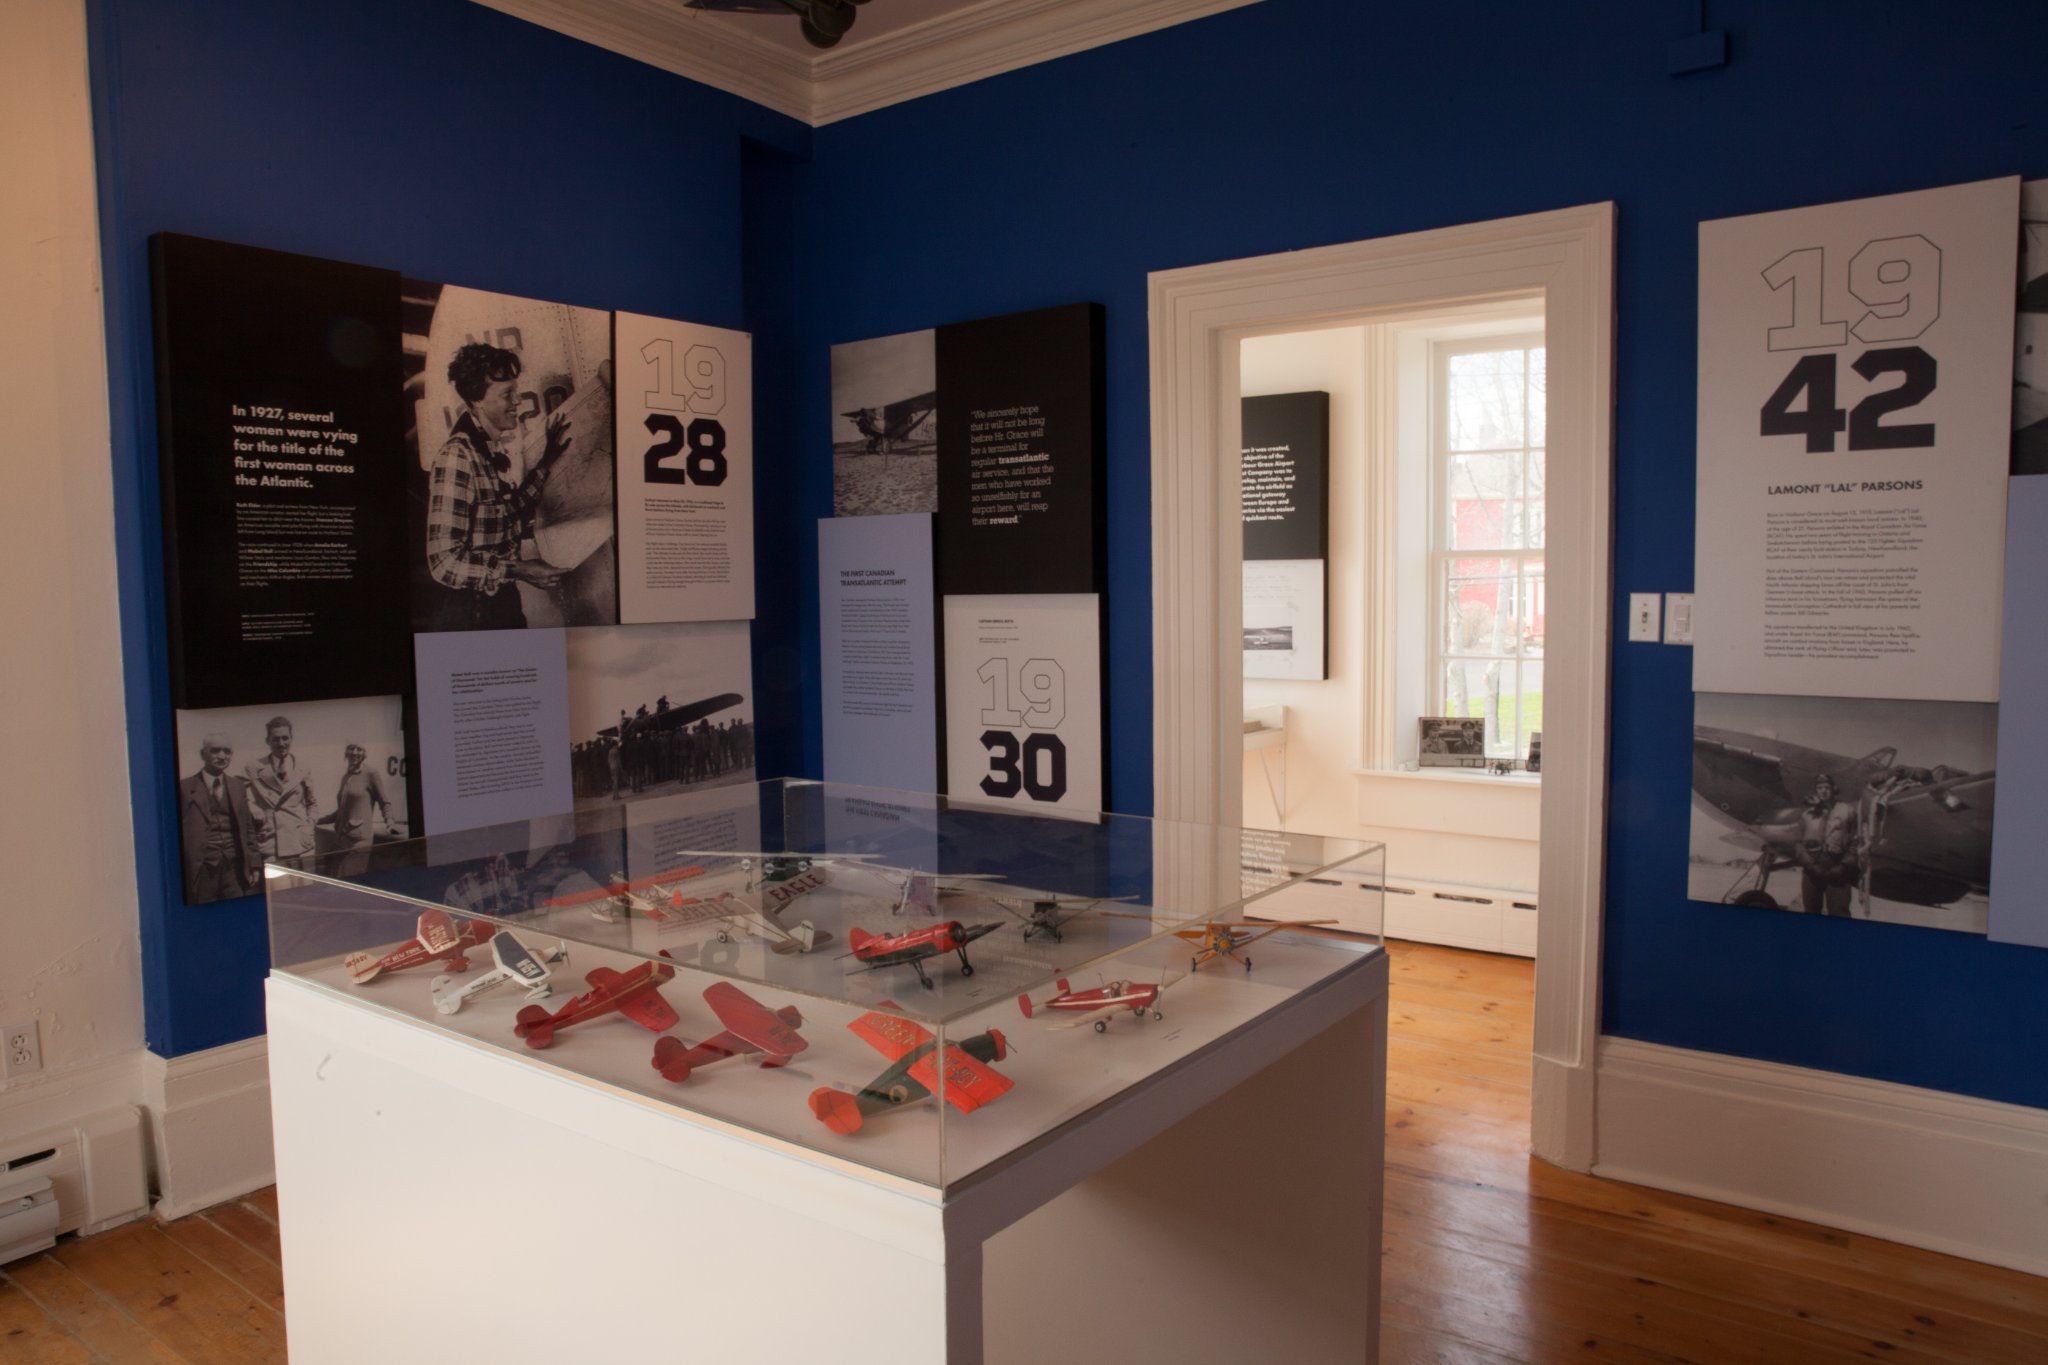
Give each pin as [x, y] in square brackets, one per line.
[897, 49]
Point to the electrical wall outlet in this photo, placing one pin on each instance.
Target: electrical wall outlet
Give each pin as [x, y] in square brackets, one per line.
[21, 1049]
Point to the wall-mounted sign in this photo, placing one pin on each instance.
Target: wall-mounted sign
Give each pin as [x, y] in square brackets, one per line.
[1285, 508]
[1024, 702]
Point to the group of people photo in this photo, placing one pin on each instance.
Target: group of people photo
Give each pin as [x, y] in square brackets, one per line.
[642, 755]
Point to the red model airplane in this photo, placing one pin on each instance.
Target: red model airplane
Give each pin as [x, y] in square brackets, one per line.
[622, 899]
[912, 948]
[914, 1075]
[1135, 996]
[750, 1026]
[635, 994]
[438, 940]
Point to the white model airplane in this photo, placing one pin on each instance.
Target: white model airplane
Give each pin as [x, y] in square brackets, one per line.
[516, 964]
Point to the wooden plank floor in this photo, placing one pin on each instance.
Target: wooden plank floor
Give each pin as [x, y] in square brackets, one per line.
[1490, 1256]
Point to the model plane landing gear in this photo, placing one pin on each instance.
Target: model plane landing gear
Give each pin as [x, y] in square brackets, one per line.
[1102, 1026]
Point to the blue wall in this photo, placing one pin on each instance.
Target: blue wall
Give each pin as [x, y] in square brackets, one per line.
[435, 137]
[1295, 123]
[339, 131]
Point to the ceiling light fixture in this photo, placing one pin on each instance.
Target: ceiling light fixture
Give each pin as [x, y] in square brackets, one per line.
[824, 22]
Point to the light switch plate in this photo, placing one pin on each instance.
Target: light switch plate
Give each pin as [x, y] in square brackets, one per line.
[1677, 618]
[1645, 613]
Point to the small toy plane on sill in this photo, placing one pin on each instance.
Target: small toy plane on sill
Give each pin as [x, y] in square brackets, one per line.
[912, 949]
[1095, 1006]
[635, 993]
[914, 1073]
[750, 1027]
[516, 964]
[438, 940]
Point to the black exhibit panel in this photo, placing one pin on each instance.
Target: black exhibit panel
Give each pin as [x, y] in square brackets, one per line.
[1020, 420]
[283, 488]
[1287, 476]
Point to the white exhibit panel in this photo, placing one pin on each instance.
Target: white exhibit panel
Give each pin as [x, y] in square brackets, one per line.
[494, 726]
[2019, 856]
[878, 626]
[1855, 411]
[718, 1054]
[1283, 618]
[686, 471]
[1024, 701]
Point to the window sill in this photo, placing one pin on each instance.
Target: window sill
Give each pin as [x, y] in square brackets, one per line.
[1467, 775]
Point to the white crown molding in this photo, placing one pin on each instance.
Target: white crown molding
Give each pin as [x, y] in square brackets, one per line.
[953, 49]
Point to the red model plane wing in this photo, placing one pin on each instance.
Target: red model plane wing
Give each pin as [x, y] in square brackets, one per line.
[893, 1037]
[752, 1022]
[969, 1084]
[437, 933]
[595, 893]
[650, 1012]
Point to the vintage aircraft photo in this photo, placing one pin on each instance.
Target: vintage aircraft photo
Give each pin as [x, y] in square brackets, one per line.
[750, 1028]
[1914, 836]
[914, 1072]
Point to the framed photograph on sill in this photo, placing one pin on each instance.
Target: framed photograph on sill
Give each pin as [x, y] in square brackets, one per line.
[1452, 742]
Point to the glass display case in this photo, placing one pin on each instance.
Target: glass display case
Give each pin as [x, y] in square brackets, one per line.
[910, 984]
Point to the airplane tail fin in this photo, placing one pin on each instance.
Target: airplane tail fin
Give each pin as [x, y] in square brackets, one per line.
[533, 1024]
[1024, 1003]
[806, 935]
[1061, 985]
[361, 967]
[836, 1109]
[668, 1059]
[857, 938]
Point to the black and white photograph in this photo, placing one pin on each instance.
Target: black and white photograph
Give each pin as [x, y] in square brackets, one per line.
[1452, 742]
[286, 782]
[1845, 807]
[1268, 638]
[510, 408]
[656, 710]
[885, 426]
[2030, 350]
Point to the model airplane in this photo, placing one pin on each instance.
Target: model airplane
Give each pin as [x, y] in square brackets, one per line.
[763, 925]
[914, 1072]
[912, 949]
[1095, 1005]
[750, 1027]
[1224, 938]
[438, 940]
[1046, 913]
[921, 892]
[516, 964]
[644, 897]
[635, 993]
[1924, 833]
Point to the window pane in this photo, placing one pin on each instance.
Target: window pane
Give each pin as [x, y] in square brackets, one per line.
[1533, 513]
[1530, 706]
[1531, 609]
[1482, 498]
[1537, 397]
[1475, 593]
[1487, 689]
[1484, 400]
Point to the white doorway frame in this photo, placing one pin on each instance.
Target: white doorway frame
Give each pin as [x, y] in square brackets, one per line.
[1199, 315]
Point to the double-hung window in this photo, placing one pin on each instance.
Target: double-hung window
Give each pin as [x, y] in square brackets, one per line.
[1486, 536]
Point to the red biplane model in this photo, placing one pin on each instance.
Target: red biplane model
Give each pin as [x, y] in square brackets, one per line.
[913, 948]
[914, 1074]
[635, 993]
[1135, 996]
[750, 1027]
[438, 940]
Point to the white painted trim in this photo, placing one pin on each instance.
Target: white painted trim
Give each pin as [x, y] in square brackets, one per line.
[951, 49]
[210, 1112]
[64, 1098]
[1923, 1167]
[1199, 315]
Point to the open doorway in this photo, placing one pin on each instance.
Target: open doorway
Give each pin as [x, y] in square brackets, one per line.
[1393, 689]
[1200, 318]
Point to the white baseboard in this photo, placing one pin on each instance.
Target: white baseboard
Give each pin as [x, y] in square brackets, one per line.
[1930, 1169]
[211, 1112]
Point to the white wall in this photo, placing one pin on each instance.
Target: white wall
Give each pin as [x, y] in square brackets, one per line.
[69, 952]
[1458, 830]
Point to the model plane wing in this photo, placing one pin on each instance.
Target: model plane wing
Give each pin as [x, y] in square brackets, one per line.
[753, 1023]
[650, 1012]
[893, 1037]
[968, 1084]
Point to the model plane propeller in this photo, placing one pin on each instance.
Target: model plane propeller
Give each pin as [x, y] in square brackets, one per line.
[750, 1027]
[516, 964]
[914, 948]
[1097, 1006]
[438, 939]
[635, 993]
[918, 1068]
